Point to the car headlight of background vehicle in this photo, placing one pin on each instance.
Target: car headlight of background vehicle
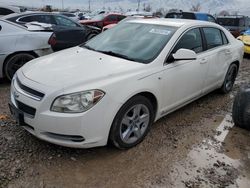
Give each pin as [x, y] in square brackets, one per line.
[77, 102]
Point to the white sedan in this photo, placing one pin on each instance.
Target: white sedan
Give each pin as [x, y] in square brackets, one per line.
[20, 44]
[116, 85]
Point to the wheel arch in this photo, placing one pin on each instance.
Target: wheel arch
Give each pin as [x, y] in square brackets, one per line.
[15, 53]
[151, 97]
[237, 63]
[147, 94]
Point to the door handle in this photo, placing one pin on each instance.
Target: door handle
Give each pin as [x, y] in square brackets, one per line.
[203, 61]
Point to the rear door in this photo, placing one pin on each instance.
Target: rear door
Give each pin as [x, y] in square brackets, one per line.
[219, 56]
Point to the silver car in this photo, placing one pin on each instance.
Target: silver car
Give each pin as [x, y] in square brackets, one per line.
[20, 44]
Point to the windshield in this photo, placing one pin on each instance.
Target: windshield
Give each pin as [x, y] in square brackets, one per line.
[98, 17]
[133, 41]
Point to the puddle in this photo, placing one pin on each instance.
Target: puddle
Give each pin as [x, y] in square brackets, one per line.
[211, 164]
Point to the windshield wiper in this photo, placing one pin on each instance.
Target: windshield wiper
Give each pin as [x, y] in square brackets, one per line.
[116, 55]
[88, 47]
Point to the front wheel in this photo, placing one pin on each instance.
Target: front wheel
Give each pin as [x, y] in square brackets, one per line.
[229, 79]
[15, 62]
[132, 123]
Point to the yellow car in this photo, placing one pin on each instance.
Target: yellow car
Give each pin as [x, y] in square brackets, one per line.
[245, 38]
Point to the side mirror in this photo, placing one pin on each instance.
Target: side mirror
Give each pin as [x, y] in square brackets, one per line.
[184, 54]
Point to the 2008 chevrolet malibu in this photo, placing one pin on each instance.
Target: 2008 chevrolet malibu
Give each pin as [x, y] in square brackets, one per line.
[114, 87]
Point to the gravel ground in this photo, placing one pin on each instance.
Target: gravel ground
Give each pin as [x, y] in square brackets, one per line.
[195, 146]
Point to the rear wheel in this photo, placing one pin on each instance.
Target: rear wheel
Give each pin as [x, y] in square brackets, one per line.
[15, 62]
[132, 123]
[229, 79]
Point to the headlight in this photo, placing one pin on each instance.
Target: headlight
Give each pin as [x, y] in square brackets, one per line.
[77, 102]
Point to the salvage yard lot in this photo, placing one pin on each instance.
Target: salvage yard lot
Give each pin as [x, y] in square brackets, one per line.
[184, 149]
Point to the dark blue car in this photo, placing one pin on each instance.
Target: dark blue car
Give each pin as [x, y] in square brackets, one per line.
[191, 15]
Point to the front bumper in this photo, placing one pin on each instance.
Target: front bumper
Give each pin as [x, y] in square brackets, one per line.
[82, 130]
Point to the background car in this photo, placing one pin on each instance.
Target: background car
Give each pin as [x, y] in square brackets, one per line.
[63, 38]
[236, 24]
[245, 38]
[241, 108]
[42, 17]
[101, 20]
[126, 19]
[20, 45]
[191, 15]
[6, 10]
[70, 15]
[113, 87]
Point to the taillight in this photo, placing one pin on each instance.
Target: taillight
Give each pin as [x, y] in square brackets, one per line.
[52, 40]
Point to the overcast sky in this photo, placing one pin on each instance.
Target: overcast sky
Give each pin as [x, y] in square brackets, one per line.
[98, 4]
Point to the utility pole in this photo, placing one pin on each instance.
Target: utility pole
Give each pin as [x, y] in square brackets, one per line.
[139, 2]
[89, 5]
[62, 5]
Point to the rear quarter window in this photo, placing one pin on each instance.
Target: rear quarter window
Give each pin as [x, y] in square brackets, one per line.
[213, 37]
[211, 18]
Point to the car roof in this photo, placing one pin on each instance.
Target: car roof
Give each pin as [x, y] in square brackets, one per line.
[173, 22]
[30, 13]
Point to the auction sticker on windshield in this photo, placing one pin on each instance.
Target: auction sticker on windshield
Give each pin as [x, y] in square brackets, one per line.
[160, 31]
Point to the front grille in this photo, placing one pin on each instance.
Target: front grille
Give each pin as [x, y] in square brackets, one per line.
[30, 91]
[26, 109]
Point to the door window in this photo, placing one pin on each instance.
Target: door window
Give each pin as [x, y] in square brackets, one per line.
[37, 18]
[213, 37]
[190, 40]
[121, 17]
[65, 22]
[111, 18]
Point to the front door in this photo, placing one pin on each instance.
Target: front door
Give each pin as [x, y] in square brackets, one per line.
[184, 80]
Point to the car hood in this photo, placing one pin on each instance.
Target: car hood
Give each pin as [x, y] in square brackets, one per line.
[77, 66]
[246, 39]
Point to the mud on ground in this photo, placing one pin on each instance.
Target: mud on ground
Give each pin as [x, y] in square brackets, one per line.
[196, 146]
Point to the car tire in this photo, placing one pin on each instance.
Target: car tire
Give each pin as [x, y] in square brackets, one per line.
[15, 62]
[132, 123]
[241, 108]
[229, 79]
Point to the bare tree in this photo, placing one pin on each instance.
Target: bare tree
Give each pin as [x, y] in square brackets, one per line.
[148, 8]
[196, 8]
[224, 13]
